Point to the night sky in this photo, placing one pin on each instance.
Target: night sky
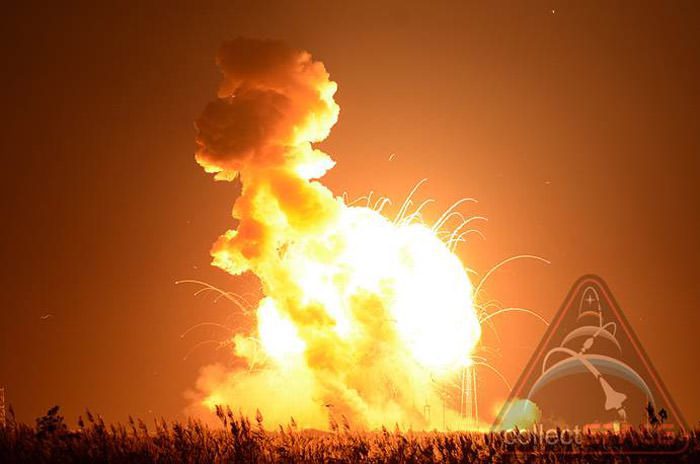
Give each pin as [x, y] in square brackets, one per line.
[575, 125]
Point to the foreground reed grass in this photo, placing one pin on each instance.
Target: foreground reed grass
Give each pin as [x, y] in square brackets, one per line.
[241, 440]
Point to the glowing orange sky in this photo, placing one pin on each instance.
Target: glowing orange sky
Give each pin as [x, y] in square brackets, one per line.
[577, 131]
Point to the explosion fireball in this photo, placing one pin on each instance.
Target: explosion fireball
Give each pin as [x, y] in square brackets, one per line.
[360, 314]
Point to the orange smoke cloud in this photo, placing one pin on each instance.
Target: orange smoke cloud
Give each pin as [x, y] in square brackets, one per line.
[272, 98]
[361, 314]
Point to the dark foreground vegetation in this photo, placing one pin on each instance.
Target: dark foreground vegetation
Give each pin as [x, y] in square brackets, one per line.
[241, 440]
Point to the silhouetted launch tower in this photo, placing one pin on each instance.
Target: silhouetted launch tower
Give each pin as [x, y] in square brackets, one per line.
[2, 406]
[468, 405]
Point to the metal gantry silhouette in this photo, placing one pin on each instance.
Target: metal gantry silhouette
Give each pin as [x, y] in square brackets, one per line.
[2, 407]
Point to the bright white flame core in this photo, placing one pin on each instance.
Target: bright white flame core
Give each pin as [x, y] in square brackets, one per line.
[422, 286]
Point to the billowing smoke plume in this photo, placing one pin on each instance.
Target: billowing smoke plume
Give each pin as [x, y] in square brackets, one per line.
[272, 100]
[360, 314]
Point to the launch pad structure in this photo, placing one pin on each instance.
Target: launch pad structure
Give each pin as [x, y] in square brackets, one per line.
[468, 404]
[2, 407]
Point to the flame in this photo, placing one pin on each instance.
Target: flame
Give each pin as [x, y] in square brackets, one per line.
[360, 313]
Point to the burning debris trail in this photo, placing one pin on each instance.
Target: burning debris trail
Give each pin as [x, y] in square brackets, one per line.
[360, 313]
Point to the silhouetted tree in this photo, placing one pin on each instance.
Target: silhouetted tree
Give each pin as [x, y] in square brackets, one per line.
[663, 415]
[51, 424]
[651, 415]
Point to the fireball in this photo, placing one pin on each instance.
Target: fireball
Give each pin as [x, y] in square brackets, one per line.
[360, 313]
